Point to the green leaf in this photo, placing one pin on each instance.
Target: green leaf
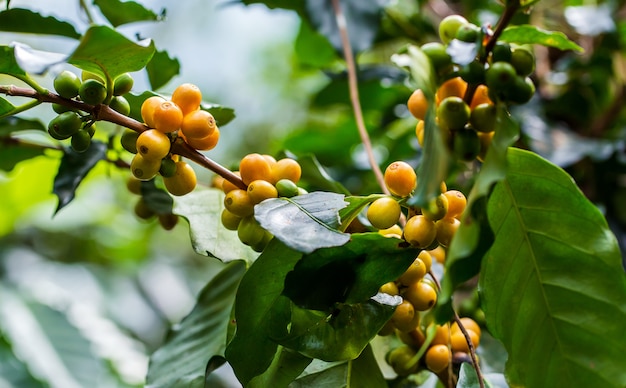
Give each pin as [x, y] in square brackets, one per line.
[361, 372]
[251, 350]
[202, 208]
[312, 48]
[222, 114]
[339, 335]
[182, 360]
[553, 286]
[103, 50]
[528, 34]
[285, 367]
[13, 372]
[306, 222]
[469, 379]
[48, 342]
[12, 154]
[351, 273]
[5, 107]
[24, 20]
[9, 125]
[433, 167]
[161, 69]
[355, 206]
[8, 65]
[124, 12]
[73, 169]
[296, 5]
[35, 61]
[157, 199]
[316, 175]
[474, 236]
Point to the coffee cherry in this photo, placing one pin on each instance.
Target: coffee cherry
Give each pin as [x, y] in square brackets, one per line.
[466, 145]
[144, 169]
[442, 335]
[458, 343]
[453, 113]
[449, 27]
[285, 168]
[92, 92]
[198, 124]
[65, 125]
[436, 208]
[500, 77]
[473, 73]
[483, 118]
[253, 167]
[481, 96]
[260, 190]
[420, 232]
[456, 203]
[148, 107]
[419, 132]
[133, 185]
[168, 168]
[81, 141]
[400, 360]
[523, 60]
[249, 231]
[417, 104]
[230, 220]
[129, 141]
[153, 145]
[414, 273]
[426, 258]
[183, 181]
[454, 87]
[395, 231]
[85, 75]
[167, 117]
[446, 229]
[67, 84]
[404, 317]
[168, 221]
[59, 108]
[389, 288]
[438, 56]
[142, 210]
[286, 188]
[468, 33]
[228, 186]
[501, 52]
[239, 203]
[206, 143]
[485, 142]
[188, 97]
[522, 91]
[421, 295]
[123, 84]
[468, 324]
[260, 246]
[400, 179]
[438, 358]
[383, 213]
[120, 105]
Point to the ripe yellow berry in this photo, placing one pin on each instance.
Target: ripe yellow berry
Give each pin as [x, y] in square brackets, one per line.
[421, 295]
[167, 117]
[188, 97]
[253, 167]
[420, 232]
[285, 169]
[405, 318]
[153, 145]
[198, 124]
[148, 107]
[183, 181]
[144, 169]
[400, 178]
[384, 213]
[438, 358]
[260, 190]
[205, 143]
[418, 104]
[414, 273]
[239, 203]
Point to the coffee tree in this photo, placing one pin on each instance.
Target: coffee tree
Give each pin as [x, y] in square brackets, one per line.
[396, 271]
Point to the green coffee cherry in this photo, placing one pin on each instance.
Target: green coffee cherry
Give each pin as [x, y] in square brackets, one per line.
[67, 84]
[522, 91]
[120, 104]
[286, 188]
[249, 231]
[501, 52]
[92, 92]
[500, 77]
[129, 141]
[58, 108]
[449, 27]
[523, 60]
[466, 145]
[483, 118]
[438, 56]
[468, 33]
[168, 168]
[81, 141]
[85, 75]
[473, 73]
[65, 125]
[90, 128]
[123, 84]
[453, 113]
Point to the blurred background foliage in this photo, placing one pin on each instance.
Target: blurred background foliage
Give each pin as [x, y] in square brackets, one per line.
[109, 286]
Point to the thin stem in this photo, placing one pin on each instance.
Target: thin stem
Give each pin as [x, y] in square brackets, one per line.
[472, 351]
[85, 8]
[21, 108]
[105, 113]
[354, 95]
[32, 83]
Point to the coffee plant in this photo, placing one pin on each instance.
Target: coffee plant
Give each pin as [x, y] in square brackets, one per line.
[450, 214]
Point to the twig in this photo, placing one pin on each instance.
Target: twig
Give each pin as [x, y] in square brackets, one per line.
[354, 95]
[105, 113]
[472, 351]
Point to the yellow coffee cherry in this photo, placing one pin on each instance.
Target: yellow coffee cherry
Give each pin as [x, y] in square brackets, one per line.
[260, 190]
[383, 213]
[239, 203]
[421, 295]
[446, 229]
[198, 124]
[148, 107]
[188, 97]
[389, 288]
[144, 169]
[405, 318]
[437, 358]
[253, 167]
[206, 143]
[230, 220]
[183, 181]
[153, 145]
[420, 232]
[167, 117]
[285, 169]
[400, 179]
[414, 273]
[426, 258]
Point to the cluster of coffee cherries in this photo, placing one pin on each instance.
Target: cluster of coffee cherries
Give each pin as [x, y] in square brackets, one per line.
[426, 228]
[465, 112]
[90, 89]
[168, 120]
[143, 210]
[448, 345]
[265, 177]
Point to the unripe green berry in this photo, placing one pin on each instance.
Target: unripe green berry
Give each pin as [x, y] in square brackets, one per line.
[449, 27]
[67, 84]
[286, 188]
[438, 56]
[168, 168]
[453, 113]
[120, 105]
[81, 141]
[66, 124]
[501, 52]
[123, 84]
[483, 118]
[466, 144]
[92, 92]
[468, 33]
[129, 141]
[523, 61]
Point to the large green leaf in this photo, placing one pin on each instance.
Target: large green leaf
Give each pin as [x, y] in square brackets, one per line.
[25, 20]
[8, 64]
[13, 372]
[251, 350]
[553, 286]
[13, 124]
[469, 379]
[12, 154]
[182, 360]
[161, 69]
[202, 209]
[361, 372]
[123, 12]
[474, 236]
[306, 222]
[285, 367]
[50, 344]
[104, 51]
[312, 48]
[73, 169]
[528, 34]
[351, 273]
